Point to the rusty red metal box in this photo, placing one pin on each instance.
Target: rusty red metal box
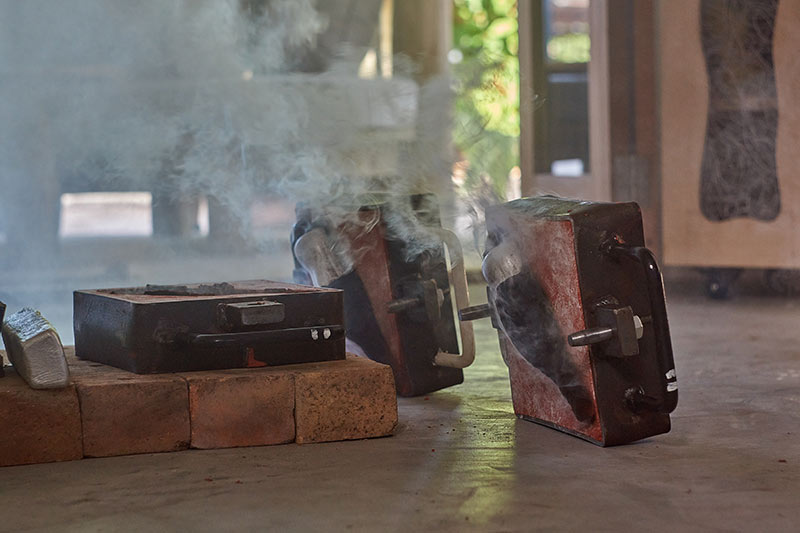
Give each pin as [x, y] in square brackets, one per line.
[579, 306]
[397, 298]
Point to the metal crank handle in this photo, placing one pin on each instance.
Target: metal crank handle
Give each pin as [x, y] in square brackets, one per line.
[459, 281]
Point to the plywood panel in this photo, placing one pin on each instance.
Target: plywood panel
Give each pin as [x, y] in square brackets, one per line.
[689, 238]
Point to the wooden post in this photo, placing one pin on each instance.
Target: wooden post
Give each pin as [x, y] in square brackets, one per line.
[633, 120]
[599, 115]
[597, 185]
[423, 32]
[386, 38]
[527, 97]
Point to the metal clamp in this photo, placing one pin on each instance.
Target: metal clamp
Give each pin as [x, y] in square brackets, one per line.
[458, 279]
[655, 292]
[248, 338]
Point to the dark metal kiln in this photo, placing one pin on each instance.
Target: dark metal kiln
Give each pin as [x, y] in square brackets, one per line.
[209, 326]
[397, 303]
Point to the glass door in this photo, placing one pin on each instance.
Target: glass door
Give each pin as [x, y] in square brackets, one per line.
[564, 98]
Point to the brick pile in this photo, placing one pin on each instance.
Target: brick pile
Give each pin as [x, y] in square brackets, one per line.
[107, 412]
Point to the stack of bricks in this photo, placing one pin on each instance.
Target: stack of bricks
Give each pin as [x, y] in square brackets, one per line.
[106, 411]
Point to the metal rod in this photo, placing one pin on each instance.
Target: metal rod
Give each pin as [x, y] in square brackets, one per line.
[401, 304]
[475, 312]
[590, 336]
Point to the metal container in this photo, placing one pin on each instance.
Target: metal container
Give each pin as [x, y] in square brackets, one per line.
[579, 306]
[397, 301]
[156, 329]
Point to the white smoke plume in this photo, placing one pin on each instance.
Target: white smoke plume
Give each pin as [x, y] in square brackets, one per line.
[229, 99]
[225, 98]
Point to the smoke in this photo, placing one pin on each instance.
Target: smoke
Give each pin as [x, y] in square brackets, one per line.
[227, 99]
[224, 98]
[143, 95]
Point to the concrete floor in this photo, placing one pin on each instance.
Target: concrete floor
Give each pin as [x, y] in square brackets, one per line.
[461, 461]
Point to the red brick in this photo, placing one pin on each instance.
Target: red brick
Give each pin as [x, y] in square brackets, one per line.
[125, 413]
[343, 400]
[38, 426]
[248, 407]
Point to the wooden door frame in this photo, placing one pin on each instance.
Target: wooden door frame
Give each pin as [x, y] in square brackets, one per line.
[597, 184]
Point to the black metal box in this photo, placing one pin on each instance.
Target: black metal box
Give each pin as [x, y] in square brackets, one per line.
[156, 329]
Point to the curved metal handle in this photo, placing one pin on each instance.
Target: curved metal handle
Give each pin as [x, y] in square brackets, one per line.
[459, 282]
[246, 338]
[658, 306]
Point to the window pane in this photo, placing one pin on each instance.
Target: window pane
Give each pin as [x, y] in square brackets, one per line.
[561, 84]
[567, 31]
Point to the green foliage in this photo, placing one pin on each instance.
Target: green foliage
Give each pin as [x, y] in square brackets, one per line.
[569, 48]
[487, 103]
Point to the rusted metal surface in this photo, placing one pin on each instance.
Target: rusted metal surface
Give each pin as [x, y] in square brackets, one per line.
[397, 303]
[209, 326]
[412, 338]
[582, 268]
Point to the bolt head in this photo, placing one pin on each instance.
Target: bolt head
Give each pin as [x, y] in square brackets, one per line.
[637, 324]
